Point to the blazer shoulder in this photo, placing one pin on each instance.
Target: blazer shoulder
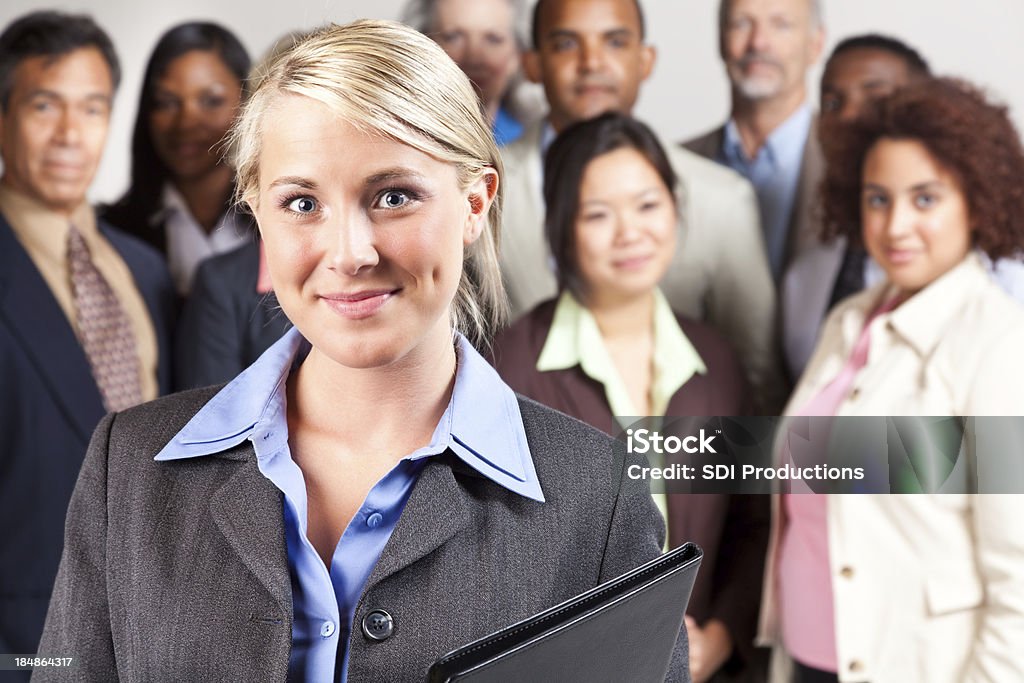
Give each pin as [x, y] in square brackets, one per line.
[523, 340]
[706, 144]
[704, 177]
[150, 426]
[561, 439]
[241, 263]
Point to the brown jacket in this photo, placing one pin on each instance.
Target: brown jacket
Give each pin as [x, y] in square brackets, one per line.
[732, 530]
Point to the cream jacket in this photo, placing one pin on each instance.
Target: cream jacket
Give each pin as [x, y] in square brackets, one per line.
[719, 275]
[927, 588]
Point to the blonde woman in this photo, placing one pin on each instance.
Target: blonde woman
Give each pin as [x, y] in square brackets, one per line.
[368, 495]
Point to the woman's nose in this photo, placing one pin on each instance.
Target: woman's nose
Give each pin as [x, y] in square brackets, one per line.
[354, 247]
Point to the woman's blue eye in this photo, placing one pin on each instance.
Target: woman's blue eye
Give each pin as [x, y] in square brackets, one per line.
[393, 199]
[875, 201]
[302, 205]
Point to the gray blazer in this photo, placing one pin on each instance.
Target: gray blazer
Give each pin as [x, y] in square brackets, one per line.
[178, 570]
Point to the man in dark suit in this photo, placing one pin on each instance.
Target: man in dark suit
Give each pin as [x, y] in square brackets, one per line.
[84, 310]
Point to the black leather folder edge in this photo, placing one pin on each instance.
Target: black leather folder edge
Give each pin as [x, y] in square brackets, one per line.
[511, 639]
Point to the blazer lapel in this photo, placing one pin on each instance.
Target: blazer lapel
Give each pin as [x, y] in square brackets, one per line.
[437, 510]
[35, 319]
[708, 145]
[248, 510]
[804, 228]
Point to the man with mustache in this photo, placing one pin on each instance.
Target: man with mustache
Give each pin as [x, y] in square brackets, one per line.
[590, 57]
[768, 46]
[84, 310]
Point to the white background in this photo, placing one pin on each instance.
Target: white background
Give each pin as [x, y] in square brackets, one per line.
[980, 40]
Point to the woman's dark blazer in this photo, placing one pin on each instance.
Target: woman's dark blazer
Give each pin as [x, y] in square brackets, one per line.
[732, 530]
[225, 324]
[177, 571]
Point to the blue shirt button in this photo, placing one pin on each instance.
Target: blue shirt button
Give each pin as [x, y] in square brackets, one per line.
[327, 629]
[374, 520]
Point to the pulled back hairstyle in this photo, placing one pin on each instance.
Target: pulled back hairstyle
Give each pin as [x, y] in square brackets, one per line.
[966, 134]
[564, 165]
[387, 79]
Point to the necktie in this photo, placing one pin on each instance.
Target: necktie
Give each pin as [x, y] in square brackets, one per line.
[103, 329]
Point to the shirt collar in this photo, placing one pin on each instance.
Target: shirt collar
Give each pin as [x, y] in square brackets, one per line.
[547, 136]
[482, 424]
[924, 318]
[39, 228]
[575, 339]
[506, 128]
[784, 146]
[173, 203]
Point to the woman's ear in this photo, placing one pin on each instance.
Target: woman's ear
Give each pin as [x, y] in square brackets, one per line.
[480, 196]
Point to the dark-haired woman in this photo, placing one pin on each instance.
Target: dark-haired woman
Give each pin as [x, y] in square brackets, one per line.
[180, 190]
[912, 588]
[610, 346]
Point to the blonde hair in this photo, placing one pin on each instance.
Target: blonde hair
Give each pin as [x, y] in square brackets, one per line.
[383, 77]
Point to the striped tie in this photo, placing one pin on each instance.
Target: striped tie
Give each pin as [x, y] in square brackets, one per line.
[103, 329]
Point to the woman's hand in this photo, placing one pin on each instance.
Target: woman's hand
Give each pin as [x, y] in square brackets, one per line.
[710, 647]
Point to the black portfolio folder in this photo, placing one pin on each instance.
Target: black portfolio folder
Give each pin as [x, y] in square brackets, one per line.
[623, 630]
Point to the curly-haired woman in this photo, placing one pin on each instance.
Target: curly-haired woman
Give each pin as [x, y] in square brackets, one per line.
[912, 587]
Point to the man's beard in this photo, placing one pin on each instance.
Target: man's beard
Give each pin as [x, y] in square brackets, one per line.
[759, 87]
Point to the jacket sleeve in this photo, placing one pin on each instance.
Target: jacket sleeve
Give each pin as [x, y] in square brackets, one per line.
[999, 547]
[998, 539]
[78, 623]
[636, 535]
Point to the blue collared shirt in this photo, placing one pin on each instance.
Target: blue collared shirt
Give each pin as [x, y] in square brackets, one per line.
[482, 426]
[775, 174]
[505, 128]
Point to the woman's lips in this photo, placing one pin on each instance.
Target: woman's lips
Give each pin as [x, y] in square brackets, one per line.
[190, 149]
[359, 305]
[632, 263]
[899, 257]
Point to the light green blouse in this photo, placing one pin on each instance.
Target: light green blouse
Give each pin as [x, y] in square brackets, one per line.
[575, 339]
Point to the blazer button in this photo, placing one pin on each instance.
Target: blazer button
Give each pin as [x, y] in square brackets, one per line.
[856, 666]
[846, 572]
[378, 625]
